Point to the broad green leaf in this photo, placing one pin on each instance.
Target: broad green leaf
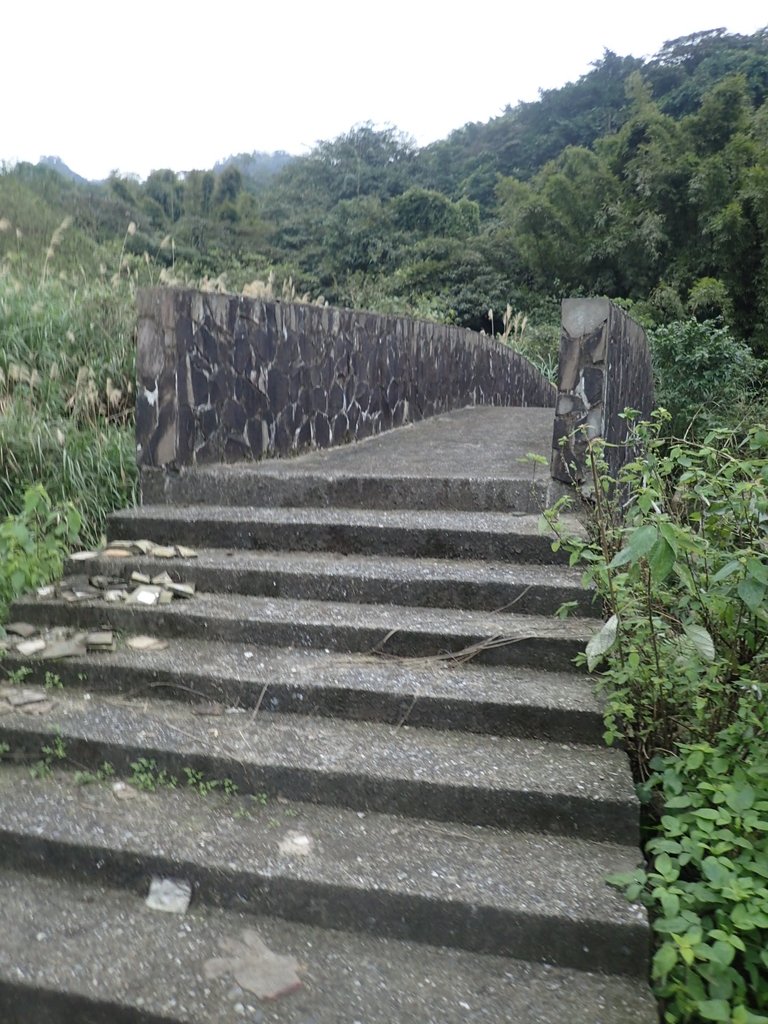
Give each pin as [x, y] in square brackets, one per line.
[728, 570]
[602, 642]
[701, 641]
[758, 570]
[740, 798]
[664, 960]
[751, 593]
[661, 560]
[640, 543]
[715, 1009]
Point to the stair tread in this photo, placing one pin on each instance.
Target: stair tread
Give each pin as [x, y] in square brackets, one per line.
[543, 876]
[151, 963]
[252, 667]
[378, 567]
[320, 745]
[406, 519]
[378, 617]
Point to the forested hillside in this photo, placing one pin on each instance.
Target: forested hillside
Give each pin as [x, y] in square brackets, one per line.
[646, 181]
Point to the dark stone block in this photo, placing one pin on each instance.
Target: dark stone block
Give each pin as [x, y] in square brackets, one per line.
[233, 417]
[304, 436]
[304, 400]
[364, 427]
[235, 450]
[322, 430]
[283, 440]
[207, 454]
[592, 377]
[277, 389]
[393, 393]
[243, 357]
[398, 414]
[185, 435]
[255, 436]
[340, 429]
[319, 399]
[209, 421]
[353, 414]
[206, 342]
[200, 389]
[335, 399]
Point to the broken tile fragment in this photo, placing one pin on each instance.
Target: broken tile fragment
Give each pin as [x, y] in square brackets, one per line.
[28, 647]
[17, 697]
[146, 643]
[171, 895]
[140, 577]
[161, 580]
[22, 629]
[64, 649]
[162, 551]
[147, 595]
[185, 552]
[101, 640]
[83, 556]
[181, 589]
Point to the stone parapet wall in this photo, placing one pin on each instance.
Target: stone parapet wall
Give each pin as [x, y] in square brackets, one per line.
[605, 368]
[224, 377]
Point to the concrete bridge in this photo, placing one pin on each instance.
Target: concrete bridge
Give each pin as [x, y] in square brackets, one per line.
[326, 695]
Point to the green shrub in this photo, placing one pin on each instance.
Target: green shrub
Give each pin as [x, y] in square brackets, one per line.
[683, 570]
[704, 376]
[707, 881]
[33, 544]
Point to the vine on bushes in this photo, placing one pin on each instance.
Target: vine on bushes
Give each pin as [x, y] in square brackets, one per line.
[680, 558]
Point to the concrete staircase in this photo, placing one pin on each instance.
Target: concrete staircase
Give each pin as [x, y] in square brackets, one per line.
[427, 835]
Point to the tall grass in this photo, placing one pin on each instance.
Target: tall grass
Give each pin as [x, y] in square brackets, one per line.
[67, 367]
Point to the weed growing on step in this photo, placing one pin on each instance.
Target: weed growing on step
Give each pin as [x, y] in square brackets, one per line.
[148, 777]
[683, 571]
[53, 681]
[54, 751]
[17, 676]
[104, 773]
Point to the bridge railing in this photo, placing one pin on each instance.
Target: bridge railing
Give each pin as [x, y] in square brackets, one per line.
[605, 368]
[226, 377]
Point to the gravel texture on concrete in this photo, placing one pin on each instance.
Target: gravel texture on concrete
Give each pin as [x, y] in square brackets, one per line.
[104, 958]
[486, 890]
[499, 536]
[398, 630]
[367, 579]
[513, 700]
[471, 458]
[532, 784]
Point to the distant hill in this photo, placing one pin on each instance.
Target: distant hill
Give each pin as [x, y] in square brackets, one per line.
[58, 165]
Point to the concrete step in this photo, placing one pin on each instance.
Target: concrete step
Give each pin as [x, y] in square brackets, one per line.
[543, 898]
[568, 789]
[268, 484]
[367, 579]
[470, 459]
[97, 955]
[400, 631]
[496, 536]
[504, 701]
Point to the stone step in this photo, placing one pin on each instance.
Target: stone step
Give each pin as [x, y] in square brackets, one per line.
[399, 631]
[541, 898]
[489, 536]
[88, 953]
[268, 484]
[568, 789]
[367, 579]
[504, 701]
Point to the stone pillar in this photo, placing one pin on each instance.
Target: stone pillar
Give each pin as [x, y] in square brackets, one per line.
[605, 368]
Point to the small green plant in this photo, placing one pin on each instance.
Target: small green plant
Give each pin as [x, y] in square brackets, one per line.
[17, 676]
[33, 544]
[4, 749]
[54, 750]
[103, 773]
[53, 681]
[146, 775]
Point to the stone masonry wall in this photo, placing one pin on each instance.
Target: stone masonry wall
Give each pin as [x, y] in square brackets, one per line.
[224, 377]
[605, 368]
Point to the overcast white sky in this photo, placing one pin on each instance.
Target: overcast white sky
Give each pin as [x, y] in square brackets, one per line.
[161, 83]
